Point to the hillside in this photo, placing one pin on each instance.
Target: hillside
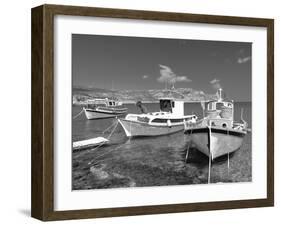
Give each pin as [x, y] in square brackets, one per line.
[81, 95]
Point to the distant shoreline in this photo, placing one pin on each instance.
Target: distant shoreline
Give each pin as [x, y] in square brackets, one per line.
[155, 102]
[134, 102]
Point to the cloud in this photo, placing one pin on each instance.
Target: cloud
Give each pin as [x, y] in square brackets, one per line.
[168, 76]
[242, 60]
[241, 51]
[215, 83]
[145, 76]
[182, 79]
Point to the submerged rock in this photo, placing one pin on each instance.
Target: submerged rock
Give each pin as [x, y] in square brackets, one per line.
[99, 173]
[128, 181]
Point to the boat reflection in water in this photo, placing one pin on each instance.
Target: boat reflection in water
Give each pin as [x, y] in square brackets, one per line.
[217, 134]
[169, 119]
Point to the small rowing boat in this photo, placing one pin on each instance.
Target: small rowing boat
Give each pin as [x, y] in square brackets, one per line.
[78, 145]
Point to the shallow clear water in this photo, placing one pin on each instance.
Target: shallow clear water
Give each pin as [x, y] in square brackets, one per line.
[151, 161]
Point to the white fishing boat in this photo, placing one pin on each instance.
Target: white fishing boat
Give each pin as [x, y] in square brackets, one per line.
[104, 108]
[170, 119]
[217, 134]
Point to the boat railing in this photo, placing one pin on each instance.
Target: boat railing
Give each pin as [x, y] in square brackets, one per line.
[240, 125]
[188, 124]
[132, 117]
[224, 113]
[212, 113]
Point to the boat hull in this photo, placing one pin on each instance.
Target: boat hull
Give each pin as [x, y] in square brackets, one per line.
[216, 141]
[138, 129]
[93, 114]
[83, 144]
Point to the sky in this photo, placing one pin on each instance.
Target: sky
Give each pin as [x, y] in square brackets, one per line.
[137, 63]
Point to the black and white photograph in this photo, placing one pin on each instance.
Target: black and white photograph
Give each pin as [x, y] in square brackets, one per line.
[160, 112]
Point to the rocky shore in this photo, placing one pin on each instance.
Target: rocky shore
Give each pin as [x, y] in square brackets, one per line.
[81, 95]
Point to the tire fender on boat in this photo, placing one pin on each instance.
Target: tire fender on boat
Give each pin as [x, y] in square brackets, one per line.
[169, 123]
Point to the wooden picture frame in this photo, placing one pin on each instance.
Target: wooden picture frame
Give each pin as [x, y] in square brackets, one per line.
[42, 203]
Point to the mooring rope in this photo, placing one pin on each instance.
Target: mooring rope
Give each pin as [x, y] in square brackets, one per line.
[109, 127]
[102, 143]
[105, 153]
[227, 159]
[187, 150]
[86, 152]
[210, 156]
[116, 124]
[210, 168]
[78, 114]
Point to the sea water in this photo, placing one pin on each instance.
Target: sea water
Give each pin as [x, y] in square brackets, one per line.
[151, 161]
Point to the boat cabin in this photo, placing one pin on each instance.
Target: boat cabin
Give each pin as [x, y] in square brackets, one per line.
[171, 113]
[221, 109]
[173, 106]
[220, 112]
[102, 102]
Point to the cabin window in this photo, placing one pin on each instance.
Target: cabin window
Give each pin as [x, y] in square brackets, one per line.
[219, 106]
[210, 106]
[91, 106]
[173, 104]
[166, 105]
[159, 120]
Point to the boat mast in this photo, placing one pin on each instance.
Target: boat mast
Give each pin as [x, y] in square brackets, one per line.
[112, 88]
[220, 94]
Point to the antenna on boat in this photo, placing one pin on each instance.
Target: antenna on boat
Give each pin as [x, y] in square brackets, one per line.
[242, 119]
[203, 107]
[220, 94]
[242, 110]
[202, 102]
[112, 90]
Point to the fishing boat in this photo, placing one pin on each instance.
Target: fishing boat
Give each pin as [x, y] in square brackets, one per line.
[216, 134]
[170, 119]
[104, 108]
